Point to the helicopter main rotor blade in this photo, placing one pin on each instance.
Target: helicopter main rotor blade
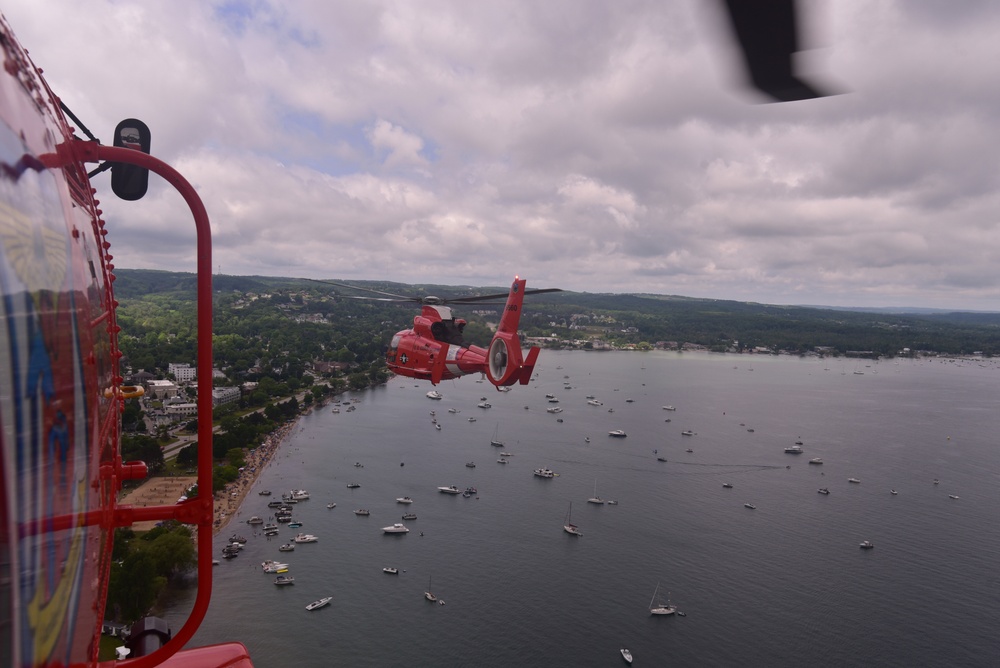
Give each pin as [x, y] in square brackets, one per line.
[400, 298]
[503, 296]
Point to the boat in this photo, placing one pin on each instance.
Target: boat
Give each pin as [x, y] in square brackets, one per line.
[484, 404]
[815, 460]
[353, 485]
[794, 450]
[569, 527]
[434, 394]
[403, 499]
[612, 502]
[301, 494]
[267, 527]
[390, 570]
[450, 489]
[953, 496]
[315, 605]
[438, 427]
[866, 545]
[331, 505]
[453, 410]
[554, 409]
[656, 607]
[545, 473]
[617, 433]
[495, 441]
[893, 492]
[470, 491]
[429, 595]
[506, 454]
[750, 506]
[661, 459]
[689, 450]
[284, 580]
[305, 538]
[294, 525]
[669, 408]
[727, 485]
[823, 490]
[265, 492]
[594, 402]
[272, 566]
[471, 465]
[286, 547]
[472, 419]
[553, 400]
[409, 516]
[395, 528]
[854, 480]
[255, 520]
[362, 512]
[596, 499]
[501, 461]
[687, 432]
[627, 655]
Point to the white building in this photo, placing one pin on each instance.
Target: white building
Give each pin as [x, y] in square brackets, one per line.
[184, 373]
[175, 411]
[225, 395]
[161, 389]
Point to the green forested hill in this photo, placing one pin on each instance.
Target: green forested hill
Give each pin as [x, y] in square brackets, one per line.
[276, 325]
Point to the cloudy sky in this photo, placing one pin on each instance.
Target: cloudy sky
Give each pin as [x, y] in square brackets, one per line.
[584, 144]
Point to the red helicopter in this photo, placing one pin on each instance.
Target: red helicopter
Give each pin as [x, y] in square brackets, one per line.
[434, 349]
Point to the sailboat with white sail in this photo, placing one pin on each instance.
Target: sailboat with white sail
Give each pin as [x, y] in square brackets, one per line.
[569, 527]
[657, 607]
[429, 595]
[496, 442]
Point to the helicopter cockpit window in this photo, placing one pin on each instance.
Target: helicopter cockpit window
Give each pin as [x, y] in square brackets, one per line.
[394, 343]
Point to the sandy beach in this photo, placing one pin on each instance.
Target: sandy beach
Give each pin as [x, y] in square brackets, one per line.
[165, 490]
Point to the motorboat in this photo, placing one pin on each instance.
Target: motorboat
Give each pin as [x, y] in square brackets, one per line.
[265, 492]
[866, 545]
[501, 461]
[594, 402]
[294, 525]
[274, 567]
[815, 460]
[794, 450]
[315, 605]
[299, 494]
[470, 491]
[395, 528]
[453, 410]
[612, 502]
[554, 409]
[545, 473]
[434, 394]
[823, 490]
[286, 547]
[893, 492]
[305, 538]
[409, 516]
[471, 465]
[854, 480]
[255, 520]
[472, 419]
[331, 505]
[627, 655]
[353, 485]
[267, 527]
[687, 432]
[727, 485]
[953, 496]
[484, 404]
[362, 512]
[661, 459]
[669, 408]
[284, 580]
[689, 450]
[506, 454]
[403, 499]
[617, 433]
[390, 570]
[450, 489]
[750, 506]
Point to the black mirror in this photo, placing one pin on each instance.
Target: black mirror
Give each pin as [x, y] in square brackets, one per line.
[128, 181]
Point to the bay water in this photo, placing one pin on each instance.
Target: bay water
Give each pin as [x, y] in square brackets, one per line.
[784, 584]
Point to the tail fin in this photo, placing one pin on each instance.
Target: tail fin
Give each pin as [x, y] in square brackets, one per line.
[503, 360]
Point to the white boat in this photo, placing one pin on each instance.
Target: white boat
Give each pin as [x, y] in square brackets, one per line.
[395, 528]
[331, 505]
[617, 433]
[569, 527]
[438, 427]
[255, 520]
[866, 545]
[403, 499]
[305, 538]
[594, 402]
[750, 506]
[501, 461]
[471, 419]
[727, 485]
[823, 490]
[287, 547]
[484, 404]
[854, 480]
[362, 512]
[656, 607]
[429, 595]
[506, 454]
[687, 432]
[353, 485]
[596, 499]
[953, 496]
[545, 473]
[554, 409]
[390, 570]
[471, 465]
[434, 394]
[450, 489]
[794, 450]
[627, 655]
[315, 605]
[284, 580]
[669, 408]
[495, 441]
[276, 567]
[815, 460]
[453, 410]
[409, 516]
[299, 494]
